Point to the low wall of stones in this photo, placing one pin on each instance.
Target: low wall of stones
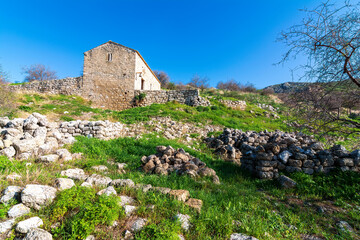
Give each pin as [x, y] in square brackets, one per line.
[188, 97]
[98, 129]
[267, 153]
[66, 86]
[240, 105]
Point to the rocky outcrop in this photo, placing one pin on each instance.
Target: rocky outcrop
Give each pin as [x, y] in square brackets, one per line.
[266, 153]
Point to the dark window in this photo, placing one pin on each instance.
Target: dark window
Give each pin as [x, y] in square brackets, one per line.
[142, 84]
[109, 57]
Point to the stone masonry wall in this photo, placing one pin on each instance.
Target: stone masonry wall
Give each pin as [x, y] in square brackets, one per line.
[188, 97]
[241, 105]
[66, 86]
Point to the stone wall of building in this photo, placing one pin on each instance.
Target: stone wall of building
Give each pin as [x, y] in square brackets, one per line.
[145, 78]
[188, 97]
[66, 86]
[109, 82]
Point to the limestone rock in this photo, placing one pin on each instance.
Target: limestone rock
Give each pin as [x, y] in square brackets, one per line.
[162, 190]
[122, 183]
[100, 168]
[75, 173]
[64, 154]
[6, 225]
[18, 210]
[240, 236]
[194, 203]
[49, 158]
[11, 192]
[129, 209]
[138, 224]
[286, 182]
[181, 195]
[107, 191]
[125, 200]
[8, 152]
[26, 225]
[38, 234]
[64, 183]
[35, 196]
[98, 180]
[184, 220]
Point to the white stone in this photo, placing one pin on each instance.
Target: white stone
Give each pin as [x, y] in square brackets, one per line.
[64, 183]
[11, 192]
[184, 220]
[49, 158]
[6, 225]
[129, 209]
[86, 184]
[107, 191]
[122, 183]
[240, 236]
[126, 200]
[18, 210]
[26, 225]
[100, 168]
[8, 152]
[98, 180]
[38, 234]
[64, 154]
[75, 173]
[35, 196]
[138, 224]
[25, 145]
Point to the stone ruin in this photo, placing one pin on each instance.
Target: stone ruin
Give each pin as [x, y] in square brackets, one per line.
[266, 153]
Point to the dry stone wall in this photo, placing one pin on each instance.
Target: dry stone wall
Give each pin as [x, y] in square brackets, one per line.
[188, 97]
[66, 86]
[240, 105]
[267, 153]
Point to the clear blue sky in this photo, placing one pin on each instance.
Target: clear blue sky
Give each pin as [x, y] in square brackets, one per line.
[218, 39]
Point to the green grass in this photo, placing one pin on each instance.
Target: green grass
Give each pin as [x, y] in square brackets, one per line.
[260, 208]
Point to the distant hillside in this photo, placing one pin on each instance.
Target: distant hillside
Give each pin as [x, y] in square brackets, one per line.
[288, 87]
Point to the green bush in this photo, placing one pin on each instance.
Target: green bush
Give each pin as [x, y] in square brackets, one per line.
[66, 118]
[81, 210]
[25, 108]
[165, 230]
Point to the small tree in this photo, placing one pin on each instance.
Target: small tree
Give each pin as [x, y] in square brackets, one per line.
[329, 36]
[163, 78]
[198, 82]
[3, 76]
[38, 72]
[6, 97]
[230, 85]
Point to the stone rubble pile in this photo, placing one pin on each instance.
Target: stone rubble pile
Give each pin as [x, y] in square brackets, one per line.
[266, 153]
[32, 137]
[240, 105]
[267, 107]
[168, 160]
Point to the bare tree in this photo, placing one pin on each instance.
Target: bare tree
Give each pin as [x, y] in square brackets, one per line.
[230, 85]
[329, 36]
[38, 72]
[199, 82]
[3, 76]
[163, 78]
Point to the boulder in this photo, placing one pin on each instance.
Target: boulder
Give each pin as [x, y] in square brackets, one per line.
[64, 183]
[11, 192]
[8, 152]
[128, 209]
[75, 173]
[98, 180]
[6, 225]
[35, 196]
[240, 236]
[138, 224]
[64, 154]
[286, 182]
[107, 191]
[38, 234]
[125, 200]
[100, 168]
[284, 156]
[48, 158]
[122, 183]
[181, 195]
[26, 225]
[18, 210]
[184, 221]
[194, 203]
[24, 145]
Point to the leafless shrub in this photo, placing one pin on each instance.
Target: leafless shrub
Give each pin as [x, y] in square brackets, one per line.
[230, 85]
[199, 82]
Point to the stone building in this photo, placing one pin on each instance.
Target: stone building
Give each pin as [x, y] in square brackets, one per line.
[113, 76]
[112, 71]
